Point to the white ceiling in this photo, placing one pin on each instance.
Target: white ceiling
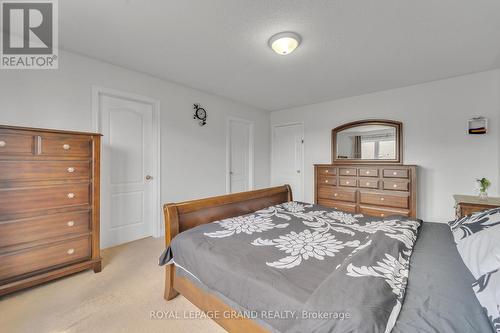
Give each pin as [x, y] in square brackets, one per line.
[349, 47]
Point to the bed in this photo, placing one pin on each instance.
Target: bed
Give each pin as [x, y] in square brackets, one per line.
[251, 280]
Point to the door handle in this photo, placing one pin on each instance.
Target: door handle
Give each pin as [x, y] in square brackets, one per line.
[148, 177]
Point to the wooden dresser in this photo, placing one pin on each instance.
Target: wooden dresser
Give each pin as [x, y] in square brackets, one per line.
[49, 205]
[468, 204]
[371, 189]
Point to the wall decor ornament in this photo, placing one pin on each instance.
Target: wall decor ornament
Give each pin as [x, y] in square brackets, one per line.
[200, 114]
[477, 125]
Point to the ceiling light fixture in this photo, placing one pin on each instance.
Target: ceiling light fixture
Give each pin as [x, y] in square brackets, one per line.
[284, 43]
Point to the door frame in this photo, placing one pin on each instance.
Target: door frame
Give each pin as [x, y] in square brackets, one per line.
[97, 93]
[273, 128]
[250, 150]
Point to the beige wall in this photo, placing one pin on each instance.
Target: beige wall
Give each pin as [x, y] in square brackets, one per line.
[193, 160]
[435, 117]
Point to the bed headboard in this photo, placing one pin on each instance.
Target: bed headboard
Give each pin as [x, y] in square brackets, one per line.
[182, 216]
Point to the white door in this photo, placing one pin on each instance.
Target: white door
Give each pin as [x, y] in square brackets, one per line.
[127, 197]
[240, 155]
[287, 161]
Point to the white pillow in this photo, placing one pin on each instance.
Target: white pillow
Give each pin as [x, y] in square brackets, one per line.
[481, 251]
[476, 222]
[487, 289]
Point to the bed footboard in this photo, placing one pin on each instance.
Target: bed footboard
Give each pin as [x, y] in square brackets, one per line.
[183, 216]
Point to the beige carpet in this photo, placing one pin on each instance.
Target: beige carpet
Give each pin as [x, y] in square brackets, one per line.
[119, 299]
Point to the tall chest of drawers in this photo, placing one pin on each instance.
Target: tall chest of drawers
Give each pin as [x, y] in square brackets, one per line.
[49, 205]
[369, 189]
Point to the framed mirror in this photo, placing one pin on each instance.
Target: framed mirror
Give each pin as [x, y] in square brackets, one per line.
[370, 141]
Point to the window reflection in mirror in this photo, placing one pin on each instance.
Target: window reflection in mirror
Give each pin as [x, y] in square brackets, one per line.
[367, 142]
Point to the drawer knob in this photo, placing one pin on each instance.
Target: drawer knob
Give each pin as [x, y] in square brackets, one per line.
[66, 146]
[382, 199]
[382, 215]
[335, 194]
[71, 195]
[394, 173]
[368, 172]
[367, 184]
[326, 181]
[326, 171]
[395, 185]
[70, 251]
[3, 143]
[347, 172]
[70, 223]
[347, 182]
[71, 169]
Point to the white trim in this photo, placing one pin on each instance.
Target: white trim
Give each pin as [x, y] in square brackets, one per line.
[302, 171]
[98, 91]
[250, 149]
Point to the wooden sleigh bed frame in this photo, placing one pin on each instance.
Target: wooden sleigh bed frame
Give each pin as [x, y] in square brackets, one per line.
[183, 216]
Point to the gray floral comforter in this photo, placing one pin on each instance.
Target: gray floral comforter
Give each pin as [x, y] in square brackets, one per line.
[298, 267]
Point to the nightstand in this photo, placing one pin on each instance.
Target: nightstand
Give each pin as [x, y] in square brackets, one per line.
[468, 204]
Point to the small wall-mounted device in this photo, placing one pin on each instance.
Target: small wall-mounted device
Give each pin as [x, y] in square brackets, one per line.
[200, 114]
[477, 125]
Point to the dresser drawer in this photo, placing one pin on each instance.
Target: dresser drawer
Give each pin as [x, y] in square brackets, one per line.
[396, 185]
[343, 206]
[380, 199]
[382, 212]
[16, 144]
[347, 172]
[43, 227]
[470, 208]
[326, 180]
[367, 172]
[39, 170]
[38, 258]
[60, 146]
[395, 173]
[327, 171]
[348, 182]
[331, 192]
[368, 183]
[31, 199]
[467, 210]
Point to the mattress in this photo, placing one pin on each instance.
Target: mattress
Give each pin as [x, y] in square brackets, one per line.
[439, 297]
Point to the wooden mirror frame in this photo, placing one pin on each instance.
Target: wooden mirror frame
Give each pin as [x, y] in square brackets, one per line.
[392, 123]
